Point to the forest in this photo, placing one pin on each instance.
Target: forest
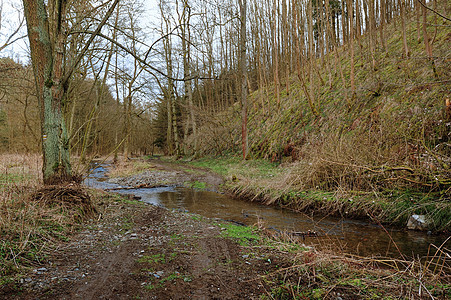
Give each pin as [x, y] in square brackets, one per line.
[347, 95]
[332, 107]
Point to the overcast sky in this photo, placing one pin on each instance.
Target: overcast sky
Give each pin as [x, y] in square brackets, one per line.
[12, 14]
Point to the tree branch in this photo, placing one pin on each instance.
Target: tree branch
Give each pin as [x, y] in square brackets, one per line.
[88, 43]
[142, 61]
[9, 41]
[435, 12]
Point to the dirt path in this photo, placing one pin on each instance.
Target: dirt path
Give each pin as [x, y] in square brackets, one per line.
[138, 251]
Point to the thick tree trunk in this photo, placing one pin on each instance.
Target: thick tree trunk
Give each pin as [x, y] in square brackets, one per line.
[47, 60]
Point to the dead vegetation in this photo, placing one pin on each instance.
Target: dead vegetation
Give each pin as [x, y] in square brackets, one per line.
[33, 217]
[72, 200]
[319, 275]
[325, 274]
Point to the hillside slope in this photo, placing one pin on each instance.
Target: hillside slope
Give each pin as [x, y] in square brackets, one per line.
[391, 138]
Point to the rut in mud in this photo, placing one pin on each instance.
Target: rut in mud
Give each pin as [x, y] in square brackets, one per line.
[142, 251]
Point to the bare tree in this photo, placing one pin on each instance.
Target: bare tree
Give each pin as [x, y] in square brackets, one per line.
[47, 34]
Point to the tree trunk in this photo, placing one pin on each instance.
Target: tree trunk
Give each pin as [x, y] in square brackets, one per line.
[382, 23]
[243, 68]
[47, 60]
[351, 46]
[312, 58]
[276, 54]
[406, 52]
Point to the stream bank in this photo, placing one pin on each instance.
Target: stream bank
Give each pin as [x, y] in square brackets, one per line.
[170, 185]
[131, 250]
[270, 183]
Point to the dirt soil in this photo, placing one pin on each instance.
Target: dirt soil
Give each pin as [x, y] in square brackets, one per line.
[138, 251]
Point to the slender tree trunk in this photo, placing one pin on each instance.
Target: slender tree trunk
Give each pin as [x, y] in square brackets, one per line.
[382, 23]
[417, 18]
[372, 29]
[351, 46]
[406, 52]
[427, 43]
[312, 58]
[243, 68]
[276, 54]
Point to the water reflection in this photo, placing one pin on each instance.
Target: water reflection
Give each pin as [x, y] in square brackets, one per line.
[349, 236]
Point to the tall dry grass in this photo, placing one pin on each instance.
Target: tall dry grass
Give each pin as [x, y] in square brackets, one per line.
[30, 221]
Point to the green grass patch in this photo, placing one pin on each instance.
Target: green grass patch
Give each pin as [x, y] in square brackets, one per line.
[245, 235]
[196, 185]
[12, 178]
[236, 167]
[153, 259]
[220, 166]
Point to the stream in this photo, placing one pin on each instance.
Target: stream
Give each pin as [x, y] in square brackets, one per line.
[339, 235]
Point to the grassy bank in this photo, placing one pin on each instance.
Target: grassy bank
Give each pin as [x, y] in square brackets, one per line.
[261, 180]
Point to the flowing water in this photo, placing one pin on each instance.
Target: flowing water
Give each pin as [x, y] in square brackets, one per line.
[349, 236]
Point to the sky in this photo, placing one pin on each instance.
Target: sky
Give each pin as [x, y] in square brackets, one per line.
[12, 14]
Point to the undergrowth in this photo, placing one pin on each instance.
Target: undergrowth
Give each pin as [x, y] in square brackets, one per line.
[312, 274]
[33, 218]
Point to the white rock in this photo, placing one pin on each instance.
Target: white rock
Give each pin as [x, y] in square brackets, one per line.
[418, 222]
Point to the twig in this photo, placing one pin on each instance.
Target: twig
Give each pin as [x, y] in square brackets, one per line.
[435, 12]
[394, 243]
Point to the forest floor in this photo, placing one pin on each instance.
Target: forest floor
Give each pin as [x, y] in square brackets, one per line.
[131, 250]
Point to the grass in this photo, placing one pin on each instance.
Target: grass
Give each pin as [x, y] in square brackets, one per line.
[319, 275]
[153, 259]
[129, 168]
[199, 185]
[244, 235]
[33, 218]
[235, 168]
[394, 135]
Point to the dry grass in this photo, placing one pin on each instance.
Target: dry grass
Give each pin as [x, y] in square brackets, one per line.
[323, 274]
[20, 169]
[128, 168]
[31, 217]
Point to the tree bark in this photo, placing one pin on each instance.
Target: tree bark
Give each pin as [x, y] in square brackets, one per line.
[47, 60]
[243, 68]
[403, 28]
[47, 36]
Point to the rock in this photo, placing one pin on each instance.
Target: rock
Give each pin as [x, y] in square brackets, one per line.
[418, 222]
[158, 274]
